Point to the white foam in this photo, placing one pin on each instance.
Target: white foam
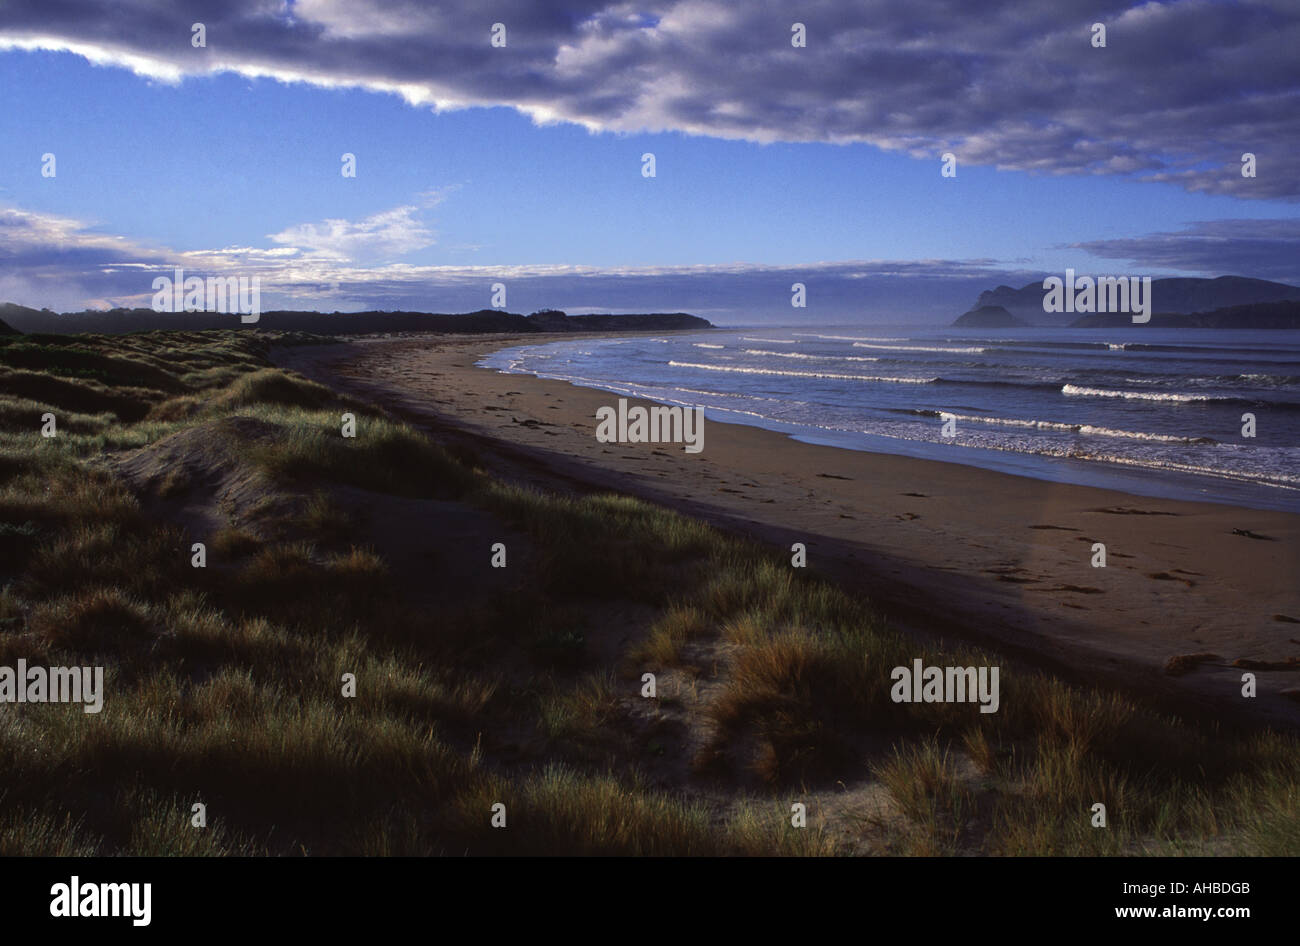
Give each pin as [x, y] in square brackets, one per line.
[797, 354]
[955, 351]
[850, 338]
[800, 374]
[1075, 390]
[1087, 430]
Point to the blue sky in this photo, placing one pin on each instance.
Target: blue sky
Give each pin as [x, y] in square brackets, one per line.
[193, 160]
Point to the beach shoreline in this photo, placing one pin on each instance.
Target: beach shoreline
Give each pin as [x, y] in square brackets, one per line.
[944, 549]
[1079, 445]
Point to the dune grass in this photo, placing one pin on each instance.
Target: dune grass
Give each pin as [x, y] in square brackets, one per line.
[384, 456]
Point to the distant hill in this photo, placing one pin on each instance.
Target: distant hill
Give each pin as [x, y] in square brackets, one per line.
[1254, 315]
[12, 315]
[989, 316]
[552, 320]
[119, 321]
[1182, 296]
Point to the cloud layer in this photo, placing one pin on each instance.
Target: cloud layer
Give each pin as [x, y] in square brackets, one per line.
[56, 262]
[1180, 92]
[1265, 249]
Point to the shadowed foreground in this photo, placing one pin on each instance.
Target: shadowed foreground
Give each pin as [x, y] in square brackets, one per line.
[476, 685]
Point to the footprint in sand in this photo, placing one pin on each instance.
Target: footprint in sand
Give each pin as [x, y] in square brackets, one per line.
[1008, 574]
[1248, 663]
[1165, 576]
[1130, 511]
[1186, 663]
[1253, 535]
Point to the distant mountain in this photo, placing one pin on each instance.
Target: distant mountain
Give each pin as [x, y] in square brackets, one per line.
[1253, 315]
[989, 316]
[11, 314]
[1183, 296]
[120, 321]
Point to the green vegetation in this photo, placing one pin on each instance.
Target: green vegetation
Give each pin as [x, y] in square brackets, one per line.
[477, 685]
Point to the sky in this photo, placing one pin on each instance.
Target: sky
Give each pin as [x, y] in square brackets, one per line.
[522, 163]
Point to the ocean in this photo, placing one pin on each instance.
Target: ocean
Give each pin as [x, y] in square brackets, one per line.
[1155, 412]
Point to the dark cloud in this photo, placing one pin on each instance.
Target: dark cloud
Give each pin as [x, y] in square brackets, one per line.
[1264, 249]
[1181, 90]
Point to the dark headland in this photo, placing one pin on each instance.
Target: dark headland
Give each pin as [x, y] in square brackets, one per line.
[1222, 302]
[484, 321]
[990, 316]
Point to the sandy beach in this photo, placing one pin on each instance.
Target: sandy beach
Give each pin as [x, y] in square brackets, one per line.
[943, 549]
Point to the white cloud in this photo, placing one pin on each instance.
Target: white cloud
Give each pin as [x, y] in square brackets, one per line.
[383, 236]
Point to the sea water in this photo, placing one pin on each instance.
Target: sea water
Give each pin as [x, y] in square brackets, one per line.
[1157, 412]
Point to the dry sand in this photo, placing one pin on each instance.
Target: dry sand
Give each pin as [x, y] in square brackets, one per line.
[942, 548]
